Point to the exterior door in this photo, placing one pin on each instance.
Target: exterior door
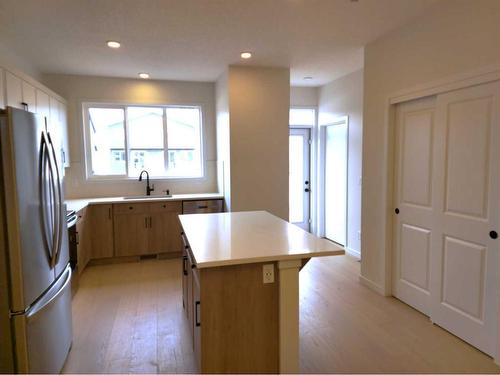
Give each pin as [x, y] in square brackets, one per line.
[299, 177]
[465, 254]
[335, 182]
[447, 210]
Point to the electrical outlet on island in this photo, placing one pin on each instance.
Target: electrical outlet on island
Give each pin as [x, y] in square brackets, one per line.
[268, 273]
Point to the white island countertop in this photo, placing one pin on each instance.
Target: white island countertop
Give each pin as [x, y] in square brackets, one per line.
[249, 237]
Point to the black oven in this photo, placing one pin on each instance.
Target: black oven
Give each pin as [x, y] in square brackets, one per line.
[71, 219]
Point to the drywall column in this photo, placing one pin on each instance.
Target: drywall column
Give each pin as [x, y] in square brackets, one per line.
[344, 97]
[223, 142]
[259, 102]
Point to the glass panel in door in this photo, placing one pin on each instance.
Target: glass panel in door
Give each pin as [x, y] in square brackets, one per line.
[299, 183]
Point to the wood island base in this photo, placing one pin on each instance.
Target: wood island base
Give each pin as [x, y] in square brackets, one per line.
[238, 323]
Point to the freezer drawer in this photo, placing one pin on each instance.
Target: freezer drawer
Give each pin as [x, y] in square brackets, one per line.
[44, 332]
[201, 207]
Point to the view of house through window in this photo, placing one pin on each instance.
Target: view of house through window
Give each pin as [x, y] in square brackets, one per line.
[124, 140]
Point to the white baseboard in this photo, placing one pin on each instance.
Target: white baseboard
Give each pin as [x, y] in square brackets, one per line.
[355, 253]
[370, 284]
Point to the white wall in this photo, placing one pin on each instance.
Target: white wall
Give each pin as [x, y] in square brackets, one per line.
[344, 97]
[223, 138]
[453, 37]
[9, 59]
[79, 89]
[303, 96]
[259, 102]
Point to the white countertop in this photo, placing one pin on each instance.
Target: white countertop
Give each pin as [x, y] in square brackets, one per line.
[249, 237]
[79, 203]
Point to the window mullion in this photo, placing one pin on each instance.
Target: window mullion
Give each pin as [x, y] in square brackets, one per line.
[165, 139]
[125, 116]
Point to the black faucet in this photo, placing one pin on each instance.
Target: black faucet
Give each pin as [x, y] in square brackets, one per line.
[148, 188]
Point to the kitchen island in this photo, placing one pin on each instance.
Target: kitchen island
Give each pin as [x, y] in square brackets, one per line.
[241, 289]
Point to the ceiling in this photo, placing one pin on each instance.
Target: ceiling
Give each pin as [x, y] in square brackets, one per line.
[196, 40]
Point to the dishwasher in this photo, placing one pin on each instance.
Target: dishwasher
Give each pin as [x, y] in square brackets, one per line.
[203, 207]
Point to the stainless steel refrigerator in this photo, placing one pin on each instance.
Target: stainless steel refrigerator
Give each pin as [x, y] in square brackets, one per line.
[35, 276]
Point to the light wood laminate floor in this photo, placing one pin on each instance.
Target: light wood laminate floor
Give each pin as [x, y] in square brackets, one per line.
[128, 318]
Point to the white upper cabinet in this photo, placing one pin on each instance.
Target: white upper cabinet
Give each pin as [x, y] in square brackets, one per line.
[42, 104]
[2, 90]
[29, 96]
[54, 126]
[40, 100]
[14, 90]
[58, 129]
[63, 119]
[19, 92]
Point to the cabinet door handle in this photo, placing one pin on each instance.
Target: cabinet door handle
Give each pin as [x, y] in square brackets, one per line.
[109, 213]
[145, 222]
[184, 265]
[196, 314]
[202, 207]
[77, 238]
[151, 221]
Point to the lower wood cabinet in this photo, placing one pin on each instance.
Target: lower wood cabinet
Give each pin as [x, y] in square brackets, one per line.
[128, 229]
[131, 229]
[101, 227]
[83, 240]
[187, 285]
[164, 227]
[196, 319]
[147, 228]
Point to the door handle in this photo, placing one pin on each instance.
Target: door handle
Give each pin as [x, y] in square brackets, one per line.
[396, 211]
[42, 158]
[306, 190]
[47, 300]
[58, 200]
[196, 315]
[145, 222]
[493, 235]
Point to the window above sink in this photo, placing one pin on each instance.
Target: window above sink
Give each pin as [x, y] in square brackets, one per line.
[122, 140]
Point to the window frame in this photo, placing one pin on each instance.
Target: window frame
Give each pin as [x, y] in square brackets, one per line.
[89, 175]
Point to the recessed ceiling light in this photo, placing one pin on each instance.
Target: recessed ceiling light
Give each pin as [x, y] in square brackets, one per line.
[144, 75]
[308, 78]
[246, 55]
[113, 44]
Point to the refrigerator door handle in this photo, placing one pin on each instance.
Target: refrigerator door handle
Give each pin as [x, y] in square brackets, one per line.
[59, 203]
[47, 299]
[42, 189]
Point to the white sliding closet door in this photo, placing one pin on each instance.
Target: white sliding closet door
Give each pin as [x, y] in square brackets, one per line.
[415, 205]
[466, 179]
[447, 207]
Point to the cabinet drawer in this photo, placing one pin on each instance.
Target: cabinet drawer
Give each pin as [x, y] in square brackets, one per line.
[165, 207]
[81, 213]
[199, 207]
[131, 208]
